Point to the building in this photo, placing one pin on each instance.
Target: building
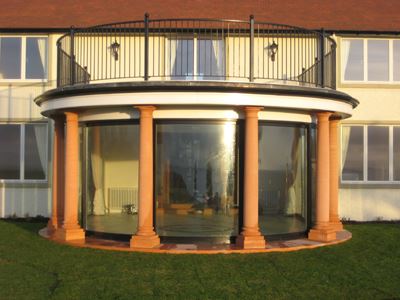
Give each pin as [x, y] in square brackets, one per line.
[194, 89]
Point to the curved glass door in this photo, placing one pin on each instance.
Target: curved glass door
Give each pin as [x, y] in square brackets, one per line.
[282, 179]
[195, 180]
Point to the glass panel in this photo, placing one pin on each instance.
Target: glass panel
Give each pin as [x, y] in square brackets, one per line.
[195, 180]
[36, 58]
[10, 136]
[112, 165]
[181, 59]
[35, 151]
[378, 153]
[10, 58]
[210, 59]
[282, 180]
[353, 59]
[352, 153]
[396, 153]
[396, 60]
[378, 60]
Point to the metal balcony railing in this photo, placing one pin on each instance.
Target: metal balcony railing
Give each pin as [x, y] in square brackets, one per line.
[196, 49]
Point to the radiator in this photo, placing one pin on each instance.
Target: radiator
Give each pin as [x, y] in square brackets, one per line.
[119, 197]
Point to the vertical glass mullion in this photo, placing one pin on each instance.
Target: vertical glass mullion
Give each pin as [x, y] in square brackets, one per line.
[365, 158]
[22, 153]
[391, 162]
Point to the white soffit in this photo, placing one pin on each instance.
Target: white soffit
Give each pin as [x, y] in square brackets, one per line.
[198, 99]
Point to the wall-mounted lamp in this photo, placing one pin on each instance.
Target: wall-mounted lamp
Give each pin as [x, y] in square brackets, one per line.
[114, 47]
[272, 49]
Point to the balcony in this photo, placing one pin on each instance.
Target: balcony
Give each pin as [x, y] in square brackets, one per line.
[219, 51]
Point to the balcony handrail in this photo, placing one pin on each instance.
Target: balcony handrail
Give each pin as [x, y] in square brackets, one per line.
[245, 53]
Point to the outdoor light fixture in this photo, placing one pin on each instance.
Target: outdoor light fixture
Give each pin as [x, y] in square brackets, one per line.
[272, 49]
[114, 47]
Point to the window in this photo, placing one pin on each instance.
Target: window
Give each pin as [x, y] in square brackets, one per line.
[370, 153]
[196, 59]
[23, 58]
[370, 60]
[23, 153]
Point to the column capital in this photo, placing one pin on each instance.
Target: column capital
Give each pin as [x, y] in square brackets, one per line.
[145, 109]
[252, 111]
[323, 115]
[71, 116]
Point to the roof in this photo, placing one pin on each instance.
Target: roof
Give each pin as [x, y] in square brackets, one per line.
[337, 15]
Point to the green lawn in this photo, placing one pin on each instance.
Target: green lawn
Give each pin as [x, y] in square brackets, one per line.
[368, 266]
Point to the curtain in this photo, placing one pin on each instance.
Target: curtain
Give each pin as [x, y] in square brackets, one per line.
[171, 63]
[99, 207]
[41, 142]
[295, 176]
[42, 43]
[219, 51]
[345, 54]
[345, 143]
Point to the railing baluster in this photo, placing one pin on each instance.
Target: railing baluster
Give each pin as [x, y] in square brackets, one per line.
[72, 56]
[251, 54]
[322, 57]
[146, 46]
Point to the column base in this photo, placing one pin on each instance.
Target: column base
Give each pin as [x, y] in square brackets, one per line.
[322, 235]
[69, 235]
[145, 241]
[250, 241]
[336, 225]
[51, 227]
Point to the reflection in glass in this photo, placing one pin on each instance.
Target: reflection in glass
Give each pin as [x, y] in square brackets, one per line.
[181, 58]
[396, 153]
[195, 180]
[282, 179]
[10, 136]
[353, 59]
[352, 153]
[112, 164]
[35, 151]
[10, 58]
[378, 153]
[36, 58]
[378, 60]
[396, 60]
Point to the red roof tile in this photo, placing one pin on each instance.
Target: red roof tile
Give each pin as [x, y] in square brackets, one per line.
[355, 15]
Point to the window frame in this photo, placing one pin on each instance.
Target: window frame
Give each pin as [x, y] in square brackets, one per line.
[365, 61]
[22, 155]
[365, 180]
[23, 59]
[195, 75]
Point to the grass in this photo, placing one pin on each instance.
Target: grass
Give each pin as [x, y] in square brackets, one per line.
[368, 266]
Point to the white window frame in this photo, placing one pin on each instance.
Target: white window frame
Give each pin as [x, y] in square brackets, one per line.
[365, 158]
[195, 39]
[23, 59]
[22, 155]
[365, 62]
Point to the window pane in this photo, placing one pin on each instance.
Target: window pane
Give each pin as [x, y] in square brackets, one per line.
[111, 173]
[195, 180]
[282, 180]
[378, 153]
[36, 58]
[353, 59]
[181, 58]
[210, 59]
[396, 153]
[378, 60]
[352, 153]
[10, 58]
[10, 151]
[396, 60]
[35, 151]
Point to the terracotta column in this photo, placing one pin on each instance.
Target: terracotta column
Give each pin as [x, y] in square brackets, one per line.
[71, 231]
[145, 236]
[250, 237]
[322, 230]
[57, 212]
[334, 175]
